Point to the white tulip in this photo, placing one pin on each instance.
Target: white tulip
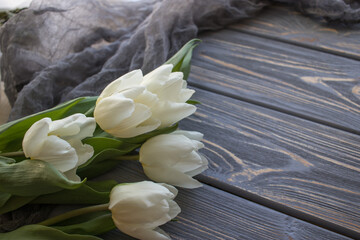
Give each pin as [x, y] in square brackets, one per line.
[174, 158]
[138, 209]
[133, 105]
[59, 143]
[172, 91]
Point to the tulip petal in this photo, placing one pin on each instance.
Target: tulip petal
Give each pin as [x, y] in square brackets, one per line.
[163, 233]
[193, 135]
[155, 79]
[165, 150]
[185, 94]
[174, 209]
[132, 126]
[145, 127]
[203, 167]
[133, 78]
[35, 136]
[151, 213]
[71, 175]
[189, 162]
[111, 111]
[87, 127]
[75, 126]
[147, 98]
[150, 200]
[57, 152]
[170, 90]
[83, 151]
[170, 112]
[132, 92]
[66, 126]
[139, 208]
[172, 189]
[170, 176]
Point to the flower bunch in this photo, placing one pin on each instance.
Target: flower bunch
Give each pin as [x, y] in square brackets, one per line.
[48, 157]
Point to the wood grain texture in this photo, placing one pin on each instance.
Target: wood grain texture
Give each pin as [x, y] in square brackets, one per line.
[317, 86]
[209, 213]
[302, 165]
[284, 24]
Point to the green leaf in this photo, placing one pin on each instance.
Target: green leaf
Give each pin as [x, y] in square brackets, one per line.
[12, 133]
[100, 163]
[193, 102]
[4, 197]
[15, 202]
[98, 169]
[33, 178]
[39, 232]
[88, 193]
[109, 153]
[181, 60]
[104, 148]
[95, 226]
[101, 143]
[142, 138]
[81, 218]
[186, 63]
[103, 186]
[85, 106]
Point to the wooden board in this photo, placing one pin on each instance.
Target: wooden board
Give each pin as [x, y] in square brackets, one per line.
[293, 163]
[313, 85]
[209, 213]
[284, 24]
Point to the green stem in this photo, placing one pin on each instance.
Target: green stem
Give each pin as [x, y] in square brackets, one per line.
[12, 154]
[128, 158]
[74, 213]
[90, 112]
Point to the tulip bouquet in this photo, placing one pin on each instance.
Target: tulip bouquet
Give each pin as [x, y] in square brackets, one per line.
[50, 157]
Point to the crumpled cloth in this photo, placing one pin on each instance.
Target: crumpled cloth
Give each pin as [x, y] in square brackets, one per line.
[59, 50]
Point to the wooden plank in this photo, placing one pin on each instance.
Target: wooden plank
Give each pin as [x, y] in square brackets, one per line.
[209, 213]
[317, 86]
[285, 24]
[297, 164]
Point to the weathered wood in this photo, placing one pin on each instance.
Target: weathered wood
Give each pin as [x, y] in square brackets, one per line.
[209, 213]
[308, 167]
[284, 24]
[317, 86]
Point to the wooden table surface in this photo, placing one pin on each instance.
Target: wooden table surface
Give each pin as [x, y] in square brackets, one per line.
[280, 111]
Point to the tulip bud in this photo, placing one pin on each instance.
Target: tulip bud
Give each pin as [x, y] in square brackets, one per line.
[172, 91]
[138, 209]
[133, 105]
[59, 143]
[174, 158]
